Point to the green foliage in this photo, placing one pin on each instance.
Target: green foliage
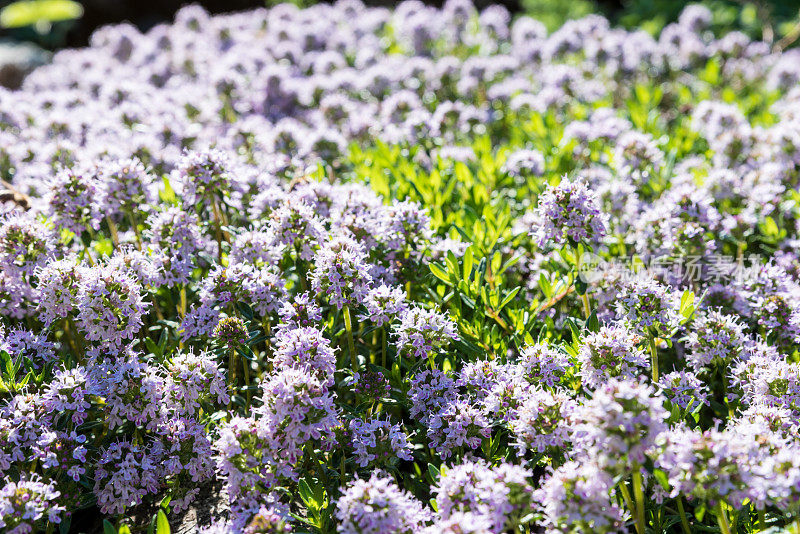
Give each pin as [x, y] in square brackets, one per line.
[40, 14]
[553, 13]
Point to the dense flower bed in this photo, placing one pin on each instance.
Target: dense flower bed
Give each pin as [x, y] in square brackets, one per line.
[403, 271]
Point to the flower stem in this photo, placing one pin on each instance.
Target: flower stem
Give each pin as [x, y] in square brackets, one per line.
[682, 512]
[246, 375]
[232, 370]
[638, 493]
[587, 308]
[722, 519]
[182, 309]
[626, 496]
[113, 229]
[218, 228]
[135, 226]
[348, 326]
[654, 358]
[383, 347]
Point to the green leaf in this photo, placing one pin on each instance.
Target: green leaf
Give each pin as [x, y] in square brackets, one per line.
[162, 525]
[661, 476]
[592, 324]
[108, 528]
[469, 259]
[152, 347]
[124, 529]
[687, 306]
[546, 286]
[167, 194]
[433, 471]
[441, 274]
[305, 492]
[580, 286]
[513, 293]
[452, 264]
[573, 327]
[36, 12]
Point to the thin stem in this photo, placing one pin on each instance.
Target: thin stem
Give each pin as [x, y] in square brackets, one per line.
[232, 371]
[626, 496]
[78, 340]
[245, 368]
[383, 347]
[654, 358]
[88, 256]
[113, 229]
[348, 326]
[587, 308]
[318, 464]
[70, 338]
[182, 309]
[682, 512]
[135, 227]
[638, 492]
[762, 520]
[722, 519]
[217, 228]
[157, 308]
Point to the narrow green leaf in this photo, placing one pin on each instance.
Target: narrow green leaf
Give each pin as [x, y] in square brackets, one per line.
[513, 293]
[440, 273]
[162, 525]
[592, 324]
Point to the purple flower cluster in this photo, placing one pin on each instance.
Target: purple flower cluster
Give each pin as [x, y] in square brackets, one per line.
[250, 201]
[501, 494]
[378, 506]
[568, 211]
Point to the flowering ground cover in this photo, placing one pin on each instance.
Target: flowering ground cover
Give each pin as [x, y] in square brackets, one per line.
[403, 271]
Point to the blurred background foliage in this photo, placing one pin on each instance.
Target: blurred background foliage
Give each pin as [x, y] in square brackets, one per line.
[53, 24]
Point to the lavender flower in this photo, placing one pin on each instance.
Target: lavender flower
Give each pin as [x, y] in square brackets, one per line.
[649, 305]
[577, 497]
[716, 339]
[72, 201]
[422, 331]
[378, 506]
[457, 425]
[297, 408]
[27, 503]
[341, 272]
[193, 379]
[26, 243]
[110, 305]
[378, 441]
[430, 391]
[567, 211]
[611, 352]
[542, 363]
[305, 348]
[125, 474]
[542, 421]
[619, 424]
[501, 494]
[299, 313]
[682, 388]
[383, 304]
[58, 289]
